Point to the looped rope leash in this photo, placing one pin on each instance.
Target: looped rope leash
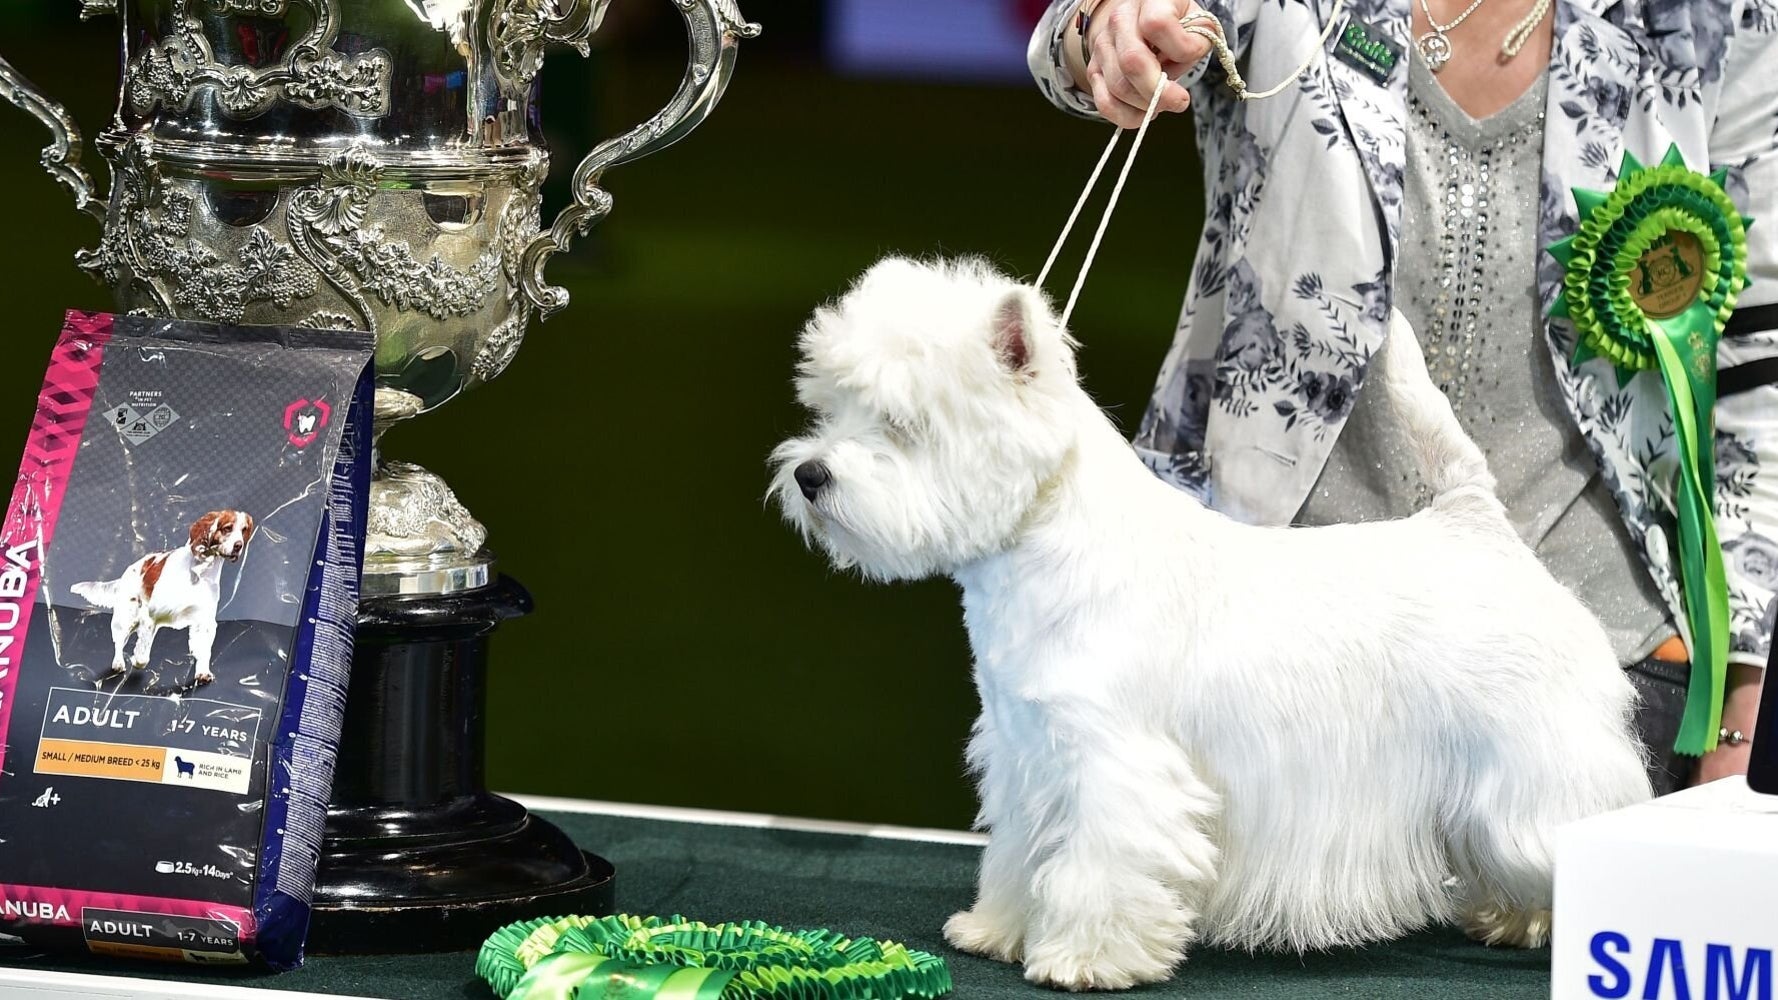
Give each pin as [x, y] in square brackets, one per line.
[1206, 26]
[1117, 191]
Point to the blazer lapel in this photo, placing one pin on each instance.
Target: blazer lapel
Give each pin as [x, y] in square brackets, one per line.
[1376, 114]
[1593, 67]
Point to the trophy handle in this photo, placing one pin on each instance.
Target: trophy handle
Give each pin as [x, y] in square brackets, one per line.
[714, 29]
[62, 156]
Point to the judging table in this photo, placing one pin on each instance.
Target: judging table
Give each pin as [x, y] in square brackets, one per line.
[884, 882]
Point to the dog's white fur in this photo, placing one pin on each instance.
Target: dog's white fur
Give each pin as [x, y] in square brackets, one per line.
[179, 588]
[1193, 728]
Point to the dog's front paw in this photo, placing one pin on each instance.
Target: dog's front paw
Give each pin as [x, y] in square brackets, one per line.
[979, 934]
[1110, 966]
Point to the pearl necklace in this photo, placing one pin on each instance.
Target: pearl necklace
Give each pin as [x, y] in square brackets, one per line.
[1435, 46]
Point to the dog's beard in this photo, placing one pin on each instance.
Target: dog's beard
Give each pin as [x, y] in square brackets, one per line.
[824, 531]
[861, 523]
[821, 521]
[825, 526]
[894, 509]
[798, 511]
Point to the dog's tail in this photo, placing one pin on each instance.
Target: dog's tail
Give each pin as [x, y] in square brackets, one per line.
[1447, 458]
[98, 593]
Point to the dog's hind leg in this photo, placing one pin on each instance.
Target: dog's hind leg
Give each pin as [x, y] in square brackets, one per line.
[1503, 842]
[1126, 861]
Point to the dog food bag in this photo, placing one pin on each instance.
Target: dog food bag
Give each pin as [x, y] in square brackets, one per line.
[178, 587]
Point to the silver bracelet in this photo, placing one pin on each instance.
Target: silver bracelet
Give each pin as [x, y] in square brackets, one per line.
[1731, 737]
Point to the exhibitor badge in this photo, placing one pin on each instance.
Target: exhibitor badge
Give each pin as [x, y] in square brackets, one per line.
[1365, 47]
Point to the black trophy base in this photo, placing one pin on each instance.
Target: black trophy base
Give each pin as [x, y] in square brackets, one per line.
[419, 856]
[384, 896]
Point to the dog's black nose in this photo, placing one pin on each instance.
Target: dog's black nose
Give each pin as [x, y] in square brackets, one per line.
[810, 477]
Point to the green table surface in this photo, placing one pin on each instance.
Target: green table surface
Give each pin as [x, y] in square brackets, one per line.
[878, 887]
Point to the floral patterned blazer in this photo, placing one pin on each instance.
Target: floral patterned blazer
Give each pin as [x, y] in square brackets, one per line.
[1290, 291]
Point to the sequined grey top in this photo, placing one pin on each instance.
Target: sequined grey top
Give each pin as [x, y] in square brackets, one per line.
[1467, 282]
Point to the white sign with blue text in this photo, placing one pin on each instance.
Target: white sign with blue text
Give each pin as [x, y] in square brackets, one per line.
[1670, 900]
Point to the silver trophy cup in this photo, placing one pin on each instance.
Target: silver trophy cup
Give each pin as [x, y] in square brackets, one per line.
[376, 165]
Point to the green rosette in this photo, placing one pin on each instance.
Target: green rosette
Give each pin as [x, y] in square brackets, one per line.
[649, 958]
[1651, 278]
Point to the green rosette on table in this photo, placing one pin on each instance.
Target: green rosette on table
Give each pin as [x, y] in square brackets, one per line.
[648, 958]
[1652, 277]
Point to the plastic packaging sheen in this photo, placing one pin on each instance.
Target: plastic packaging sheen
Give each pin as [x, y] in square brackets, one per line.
[178, 588]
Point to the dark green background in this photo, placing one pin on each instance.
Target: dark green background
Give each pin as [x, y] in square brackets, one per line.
[687, 650]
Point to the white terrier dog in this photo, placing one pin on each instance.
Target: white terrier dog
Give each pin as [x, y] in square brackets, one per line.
[1194, 728]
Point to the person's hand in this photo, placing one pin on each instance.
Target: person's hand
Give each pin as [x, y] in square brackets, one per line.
[1135, 46]
[1740, 704]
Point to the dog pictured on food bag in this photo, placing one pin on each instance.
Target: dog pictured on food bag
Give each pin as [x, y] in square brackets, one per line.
[1193, 729]
[178, 589]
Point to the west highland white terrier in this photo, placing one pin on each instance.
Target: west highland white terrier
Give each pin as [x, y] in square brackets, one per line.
[1194, 729]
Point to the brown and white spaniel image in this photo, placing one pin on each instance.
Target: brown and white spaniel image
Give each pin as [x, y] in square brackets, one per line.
[175, 589]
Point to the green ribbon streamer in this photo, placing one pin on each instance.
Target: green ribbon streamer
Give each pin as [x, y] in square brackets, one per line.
[1616, 229]
[1702, 577]
[647, 958]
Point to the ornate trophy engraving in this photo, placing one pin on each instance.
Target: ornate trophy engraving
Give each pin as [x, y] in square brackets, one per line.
[376, 165]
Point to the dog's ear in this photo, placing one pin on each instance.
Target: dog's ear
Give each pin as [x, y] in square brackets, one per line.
[248, 528]
[1012, 332]
[203, 530]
